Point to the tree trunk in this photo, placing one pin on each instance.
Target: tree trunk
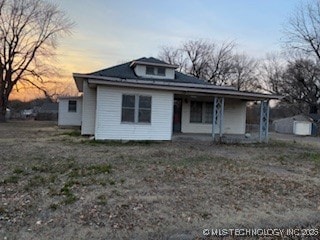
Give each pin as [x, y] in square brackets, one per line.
[3, 108]
[3, 114]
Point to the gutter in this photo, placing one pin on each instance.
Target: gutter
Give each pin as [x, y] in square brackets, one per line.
[183, 87]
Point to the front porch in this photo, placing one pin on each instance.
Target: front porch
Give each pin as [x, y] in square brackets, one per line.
[216, 118]
[226, 138]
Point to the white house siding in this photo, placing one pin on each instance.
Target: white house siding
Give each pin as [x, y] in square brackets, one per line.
[88, 110]
[140, 70]
[234, 119]
[108, 121]
[66, 118]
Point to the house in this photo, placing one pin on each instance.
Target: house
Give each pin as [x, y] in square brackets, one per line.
[147, 99]
[70, 111]
[299, 125]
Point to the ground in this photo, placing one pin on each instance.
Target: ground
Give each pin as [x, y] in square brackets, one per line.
[55, 184]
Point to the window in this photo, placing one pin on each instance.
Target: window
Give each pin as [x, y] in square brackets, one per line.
[128, 108]
[150, 70]
[208, 112]
[161, 71]
[201, 112]
[196, 112]
[136, 109]
[72, 107]
[144, 109]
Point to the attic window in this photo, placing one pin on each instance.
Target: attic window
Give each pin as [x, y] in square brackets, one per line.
[159, 71]
[150, 70]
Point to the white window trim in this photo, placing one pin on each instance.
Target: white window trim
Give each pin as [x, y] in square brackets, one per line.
[136, 109]
[156, 71]
[75, 105]
[203, 116]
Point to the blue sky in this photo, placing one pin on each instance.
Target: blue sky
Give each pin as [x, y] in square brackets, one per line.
[109, 32]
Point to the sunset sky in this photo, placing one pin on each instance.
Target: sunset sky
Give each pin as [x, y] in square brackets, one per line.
[109, 32]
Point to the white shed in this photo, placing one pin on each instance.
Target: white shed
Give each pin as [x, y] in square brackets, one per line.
[297, 124]
[70, 111]
[302, 128]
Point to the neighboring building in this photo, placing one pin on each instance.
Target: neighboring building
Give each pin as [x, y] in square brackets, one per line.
[27, 113]
[70, 111]
[146, 99]
[48, 112]
[298, 125]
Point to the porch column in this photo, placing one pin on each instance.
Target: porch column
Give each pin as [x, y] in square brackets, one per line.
[218, 110]
[264, 121]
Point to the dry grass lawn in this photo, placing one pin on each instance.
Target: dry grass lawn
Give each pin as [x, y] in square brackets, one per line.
[55, 184]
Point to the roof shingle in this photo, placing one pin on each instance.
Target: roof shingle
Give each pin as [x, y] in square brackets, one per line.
[124, 71]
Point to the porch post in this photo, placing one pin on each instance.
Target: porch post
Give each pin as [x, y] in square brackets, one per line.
[264, 121]
[214, 116]
[218, 118]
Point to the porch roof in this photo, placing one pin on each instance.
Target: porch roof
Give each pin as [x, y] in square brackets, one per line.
[179, 88]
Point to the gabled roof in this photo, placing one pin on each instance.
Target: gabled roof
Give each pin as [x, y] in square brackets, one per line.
[125, 71]
[152, 62]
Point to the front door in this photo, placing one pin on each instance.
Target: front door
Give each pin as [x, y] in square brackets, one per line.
[177, 115]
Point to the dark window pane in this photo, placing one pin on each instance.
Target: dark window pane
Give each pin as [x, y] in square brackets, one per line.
[196, 112]
[72, 106]
[128, 101]
[149, 70]
[127, 115]
[161, 71]
[144, 116]
[144, 102]
[208, 112]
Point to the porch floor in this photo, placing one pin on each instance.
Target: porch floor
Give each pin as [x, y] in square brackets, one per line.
[226, 138]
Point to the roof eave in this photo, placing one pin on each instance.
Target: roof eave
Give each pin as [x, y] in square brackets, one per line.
[134, 63]
[78, 78]
[194, 88]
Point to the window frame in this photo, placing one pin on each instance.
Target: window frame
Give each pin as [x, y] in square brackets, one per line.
[200, 103]
[150, 72]
[128, 108]
[71, 110]
[161, 74]
[154, 71]
[137, 109]
[204, 113]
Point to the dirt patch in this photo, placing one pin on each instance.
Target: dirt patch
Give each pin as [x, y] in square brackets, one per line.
[55, 184]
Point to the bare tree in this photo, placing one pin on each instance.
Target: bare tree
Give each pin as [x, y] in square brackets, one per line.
[244, 74]
[174, 56]
[221, 66]
[29, 33]
[297, 79]
[202, 59]
[301, 83]
[271, 73]
[302, 32]
[301, 79]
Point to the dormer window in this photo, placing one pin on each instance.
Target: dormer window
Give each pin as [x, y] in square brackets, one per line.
[159, 71]
[150, 70]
